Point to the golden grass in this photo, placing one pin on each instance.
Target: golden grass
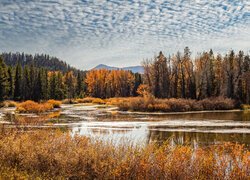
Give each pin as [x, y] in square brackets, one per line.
[90, 100]
[55, 103]
[33, 107]
[245, 107]
[55, 154]
[8, 103]
[151, 104]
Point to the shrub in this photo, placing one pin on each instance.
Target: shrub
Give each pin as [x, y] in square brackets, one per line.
[55, 103]
[91, 100]
[33, 107]
[245, 107]
[69, 101]
[98, 101]
[56, 155]
[151, 104]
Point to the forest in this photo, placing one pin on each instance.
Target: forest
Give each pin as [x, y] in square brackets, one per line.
[24, 77]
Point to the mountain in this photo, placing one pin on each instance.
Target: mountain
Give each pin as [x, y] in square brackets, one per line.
[134, 69]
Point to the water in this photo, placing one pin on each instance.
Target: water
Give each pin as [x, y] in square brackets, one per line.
[107, 123]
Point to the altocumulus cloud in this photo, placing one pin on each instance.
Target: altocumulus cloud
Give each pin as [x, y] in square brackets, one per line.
[88, 32]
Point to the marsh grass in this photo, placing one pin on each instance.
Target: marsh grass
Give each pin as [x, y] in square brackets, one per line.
[34, 107]
[151, 104]
[55, 103]
[8, 103]
[245, 107]
[55, 154]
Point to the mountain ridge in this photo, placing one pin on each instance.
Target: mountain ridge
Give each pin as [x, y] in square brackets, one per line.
[134, 69]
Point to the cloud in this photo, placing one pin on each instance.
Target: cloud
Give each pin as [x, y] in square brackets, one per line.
[86, 32]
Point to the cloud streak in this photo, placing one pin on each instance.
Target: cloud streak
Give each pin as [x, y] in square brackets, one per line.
[86, 32]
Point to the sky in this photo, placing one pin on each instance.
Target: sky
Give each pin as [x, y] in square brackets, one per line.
[85, 33]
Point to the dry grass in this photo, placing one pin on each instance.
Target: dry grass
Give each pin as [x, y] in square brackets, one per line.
[245, 107]
[150, 104]
[55, 103]
[90, 100]
[8, 103]
[29, 120]
[33, 107]
[55, 154]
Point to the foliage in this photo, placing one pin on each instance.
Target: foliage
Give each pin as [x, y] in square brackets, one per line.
[104, 83]
[55, 154]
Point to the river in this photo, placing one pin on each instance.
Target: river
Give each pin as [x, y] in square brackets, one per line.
[107, 123]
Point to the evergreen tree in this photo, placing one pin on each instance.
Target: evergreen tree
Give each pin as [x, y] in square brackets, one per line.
[26, 88]
[52, 85]
[60, 88]
[11, 83]
[79, 85]
[70, 84]
[38, 87]
[18, 81]
[4, 85]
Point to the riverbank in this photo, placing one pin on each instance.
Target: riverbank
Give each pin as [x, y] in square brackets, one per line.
[56, 154]
[136, 104]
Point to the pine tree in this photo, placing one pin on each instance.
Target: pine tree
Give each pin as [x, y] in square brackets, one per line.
[4, 85]
[11, 83]
[70, 80]
[52, 85]
[18, 81]
[60, 87]
[79, 85]
[38, 87]
[26, 84]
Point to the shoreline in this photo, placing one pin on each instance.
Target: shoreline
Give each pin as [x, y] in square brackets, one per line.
[178, 113]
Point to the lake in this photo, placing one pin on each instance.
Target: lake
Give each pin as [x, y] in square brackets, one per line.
[107, 123]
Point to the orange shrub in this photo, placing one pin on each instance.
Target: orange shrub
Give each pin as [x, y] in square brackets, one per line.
[33, 107]
[55, 103]
[90, 100]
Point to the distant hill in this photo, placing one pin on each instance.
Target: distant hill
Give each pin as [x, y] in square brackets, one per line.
[134, 69]
[39, 60]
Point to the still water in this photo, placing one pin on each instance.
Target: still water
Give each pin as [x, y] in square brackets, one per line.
[107, 123]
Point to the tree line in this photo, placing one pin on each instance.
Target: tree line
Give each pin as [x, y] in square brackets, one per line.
[31, 82]
[208, 75]
[177, 76]
[38, 60]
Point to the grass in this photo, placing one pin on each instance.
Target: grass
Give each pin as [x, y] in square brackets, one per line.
[55, 103]
[55, 154]
[90, 100]
[245, 106]
[8, 103]
[34, 107]
[150, 104]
